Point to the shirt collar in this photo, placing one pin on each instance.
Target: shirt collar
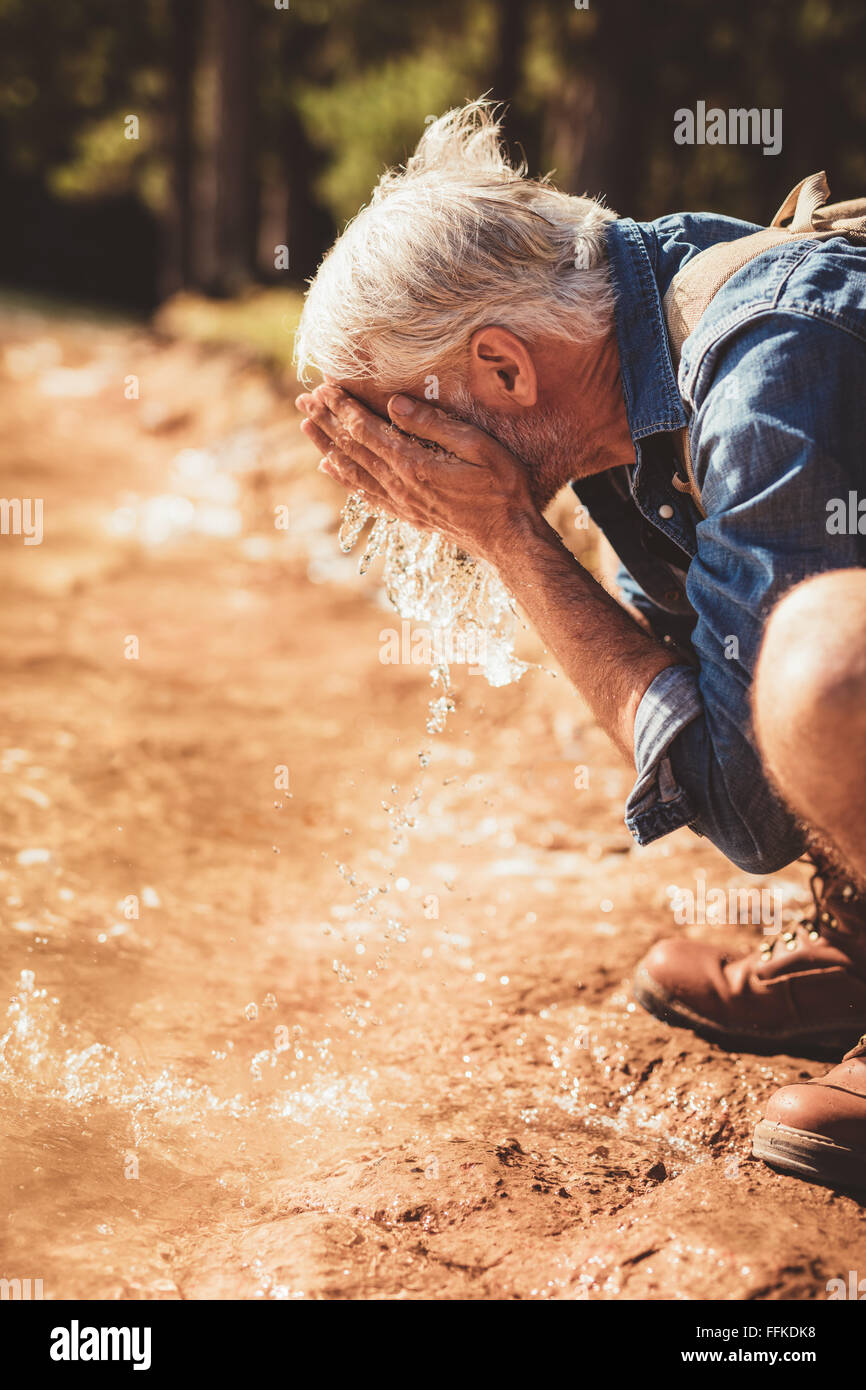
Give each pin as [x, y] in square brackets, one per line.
[652, 400]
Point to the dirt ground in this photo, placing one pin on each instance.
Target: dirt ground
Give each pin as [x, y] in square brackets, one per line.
[229, 1070]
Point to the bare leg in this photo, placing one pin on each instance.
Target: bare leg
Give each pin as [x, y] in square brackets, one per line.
[810, 709]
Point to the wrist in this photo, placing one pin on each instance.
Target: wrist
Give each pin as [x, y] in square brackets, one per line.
[522, 530]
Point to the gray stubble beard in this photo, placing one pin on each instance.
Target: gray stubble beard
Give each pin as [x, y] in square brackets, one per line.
[545, 443]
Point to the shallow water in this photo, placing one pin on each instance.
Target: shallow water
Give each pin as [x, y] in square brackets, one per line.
[222, 1073]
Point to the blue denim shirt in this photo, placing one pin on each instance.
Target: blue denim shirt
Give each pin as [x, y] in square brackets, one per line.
[772, 385]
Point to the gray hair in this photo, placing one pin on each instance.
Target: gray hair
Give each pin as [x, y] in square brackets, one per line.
[458, 239]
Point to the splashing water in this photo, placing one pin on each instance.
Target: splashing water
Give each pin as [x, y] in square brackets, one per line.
[431, 580]
[42, 1054]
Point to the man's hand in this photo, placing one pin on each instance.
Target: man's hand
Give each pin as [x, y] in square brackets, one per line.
[468, 486]
[476, 493]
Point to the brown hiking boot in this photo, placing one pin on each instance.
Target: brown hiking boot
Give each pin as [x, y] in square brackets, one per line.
[802, 990]
[817, 1130]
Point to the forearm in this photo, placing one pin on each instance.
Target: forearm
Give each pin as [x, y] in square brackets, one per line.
[472, 479]
[605, 654]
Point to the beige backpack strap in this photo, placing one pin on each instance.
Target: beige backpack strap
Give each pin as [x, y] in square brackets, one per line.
[686, 481]
[802, 203]
[693, 287]
[807, 207]
[804, 213]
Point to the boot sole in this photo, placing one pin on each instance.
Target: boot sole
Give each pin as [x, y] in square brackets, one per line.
[809, 1156]
[666, 1007]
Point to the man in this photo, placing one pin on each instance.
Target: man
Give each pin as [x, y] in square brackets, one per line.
[733, 675]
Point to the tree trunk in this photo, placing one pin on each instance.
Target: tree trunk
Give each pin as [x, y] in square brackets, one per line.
[510, 42]
[310, 226]
[234, 155]
[598, 120]
[177, 269]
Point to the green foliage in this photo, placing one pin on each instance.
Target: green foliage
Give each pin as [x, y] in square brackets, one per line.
[63, 67]
[341, 90]
[373, 120]
[264, 320]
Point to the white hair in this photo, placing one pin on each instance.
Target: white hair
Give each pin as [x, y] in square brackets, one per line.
[458, 239]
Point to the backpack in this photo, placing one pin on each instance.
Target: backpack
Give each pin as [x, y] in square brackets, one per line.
[805, 213]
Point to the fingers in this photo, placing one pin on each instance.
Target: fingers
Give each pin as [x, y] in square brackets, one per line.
[343, 458]
[346, 471]
[361, 425]
[324, 430]
[430, 422]
[316, 436]
[338, 464]
[315, 409]
[335, 411]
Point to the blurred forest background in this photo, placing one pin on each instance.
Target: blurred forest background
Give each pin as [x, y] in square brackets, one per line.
[262, 124]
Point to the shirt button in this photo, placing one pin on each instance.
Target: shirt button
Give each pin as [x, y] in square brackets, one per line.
[666, 511]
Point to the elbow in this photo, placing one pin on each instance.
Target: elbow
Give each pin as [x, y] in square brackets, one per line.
[743, 817]
[762, 840]
[755, 858]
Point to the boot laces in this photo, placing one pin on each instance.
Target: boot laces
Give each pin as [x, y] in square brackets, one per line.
[822, 922]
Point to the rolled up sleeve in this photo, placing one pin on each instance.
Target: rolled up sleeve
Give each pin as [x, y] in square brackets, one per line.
[697, 767]
[657, 803]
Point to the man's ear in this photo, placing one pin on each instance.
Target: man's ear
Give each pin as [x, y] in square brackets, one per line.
[501, 370]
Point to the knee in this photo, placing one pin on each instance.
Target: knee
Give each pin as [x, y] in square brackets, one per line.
[810, 681]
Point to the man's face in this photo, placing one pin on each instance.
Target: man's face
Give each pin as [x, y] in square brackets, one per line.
[543, 438]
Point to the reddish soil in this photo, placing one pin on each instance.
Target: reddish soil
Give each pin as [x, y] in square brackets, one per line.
[250, 1089]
